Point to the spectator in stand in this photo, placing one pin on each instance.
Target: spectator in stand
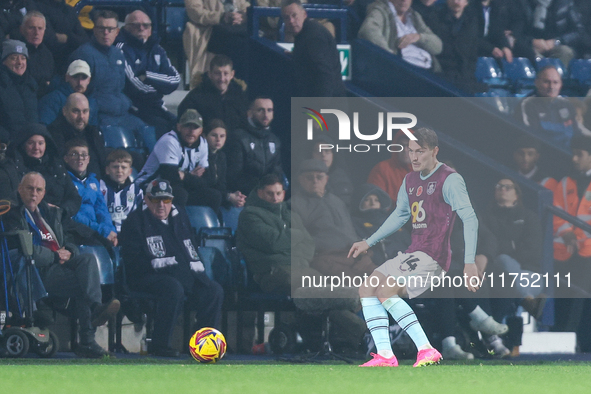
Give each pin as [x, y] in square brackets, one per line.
[203, 16]
[9, 178]
[18, 90]
[160, 254]
[71, 124]
[181, 157]
[215, 175]
[13, 12]
[218, 95]
[67, 35]
[389, 174]
[254, 151]
[122, 196]
[35, 150]
[40, 61]
[76, 81]
[546, 112]
[316, 59]
[584, 8]
[64, 271]
[526, 157]
[427, 9]
[458, 28]
[93, 211]
[495, 18]
[555, 29]
[339, 182]
[394, 26]
[107, 65]
[150, 75]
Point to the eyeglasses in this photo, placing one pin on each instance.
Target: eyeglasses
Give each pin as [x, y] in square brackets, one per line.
[75, 155]
[311, 177]
[156, 200]
[138, 25]
[505, 186]
[108, 29]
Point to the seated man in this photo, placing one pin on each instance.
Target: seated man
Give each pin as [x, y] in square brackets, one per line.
[397, 28]
[150, 74]
[77, 80]
[121, 195]
[525, 159]
[160, 255]
[93, 211]
[254, 151]
[546, 112]
[218, 95]
[72, 123]
[181, 157]
[107, 65]
[64, 272]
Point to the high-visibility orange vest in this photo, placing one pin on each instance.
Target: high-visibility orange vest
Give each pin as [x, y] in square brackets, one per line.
[567, 198]
[549, 183]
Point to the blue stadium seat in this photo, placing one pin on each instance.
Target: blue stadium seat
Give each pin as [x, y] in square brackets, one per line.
[119, 137]
[201, 216]
[580, 70]
[520, 72]
[105, 264]
[216, 266]
[489, 72]
[549, 61]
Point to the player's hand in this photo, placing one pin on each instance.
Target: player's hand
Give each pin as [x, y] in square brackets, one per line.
[64, 254]
[358, 248]
[113, 238]
[497, 53]
[198, 171]
[471, 271]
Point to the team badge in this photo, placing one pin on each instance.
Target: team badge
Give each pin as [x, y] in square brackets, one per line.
[272, 147]
[130, 196]
[93, 187]
[156, 245]
[157, 59]
[411, 190]
[252, 145]
[431, 188]
[138, 61]
[419, 191]
[162, 185]
[564, 113]
[119, 62]
[191, 249]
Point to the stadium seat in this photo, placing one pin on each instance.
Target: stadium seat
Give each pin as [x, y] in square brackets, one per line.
[549, 61]
[580, 70]
[216, 266]
[105, 263]
[119, 137]
[201, 216]
[489, 72]
[520, 72]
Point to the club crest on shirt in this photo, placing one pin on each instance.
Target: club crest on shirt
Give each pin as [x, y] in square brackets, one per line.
[419, 191]
[156, 246]
[93, 187]
[157, 59]
[191, 249]
[272, 147]
[431, 188]
[130, 196]
[411, 190]
[252, 146]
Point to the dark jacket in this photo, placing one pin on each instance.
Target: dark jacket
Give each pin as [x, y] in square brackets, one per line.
[59, 189]
[18, 101]
[215, 174]
[62, 132]
[518, 232]
[41, 65]
[211, 104]
[9, 179]
[502, 16]
[317, 63]
[107, 66]
[150, 60]
[50, 105]
[252, 153]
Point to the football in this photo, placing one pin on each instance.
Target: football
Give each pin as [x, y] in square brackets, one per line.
[207, 345]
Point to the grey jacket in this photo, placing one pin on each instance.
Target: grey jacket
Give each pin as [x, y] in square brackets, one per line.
[379, 27]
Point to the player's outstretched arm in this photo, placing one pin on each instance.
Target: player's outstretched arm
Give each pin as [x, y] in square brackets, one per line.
[472, 277]
[358, 248]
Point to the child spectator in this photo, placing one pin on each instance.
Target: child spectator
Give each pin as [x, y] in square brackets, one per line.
[93, 211]
[122, 196]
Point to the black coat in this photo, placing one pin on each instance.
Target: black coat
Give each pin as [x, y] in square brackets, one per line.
[503, 16]
[215, 174]
[9, 179]
[316, 62]
[41, 66]
[211, 104]
[62, 132]
[18, 101]
[252, 153]
[59, 189]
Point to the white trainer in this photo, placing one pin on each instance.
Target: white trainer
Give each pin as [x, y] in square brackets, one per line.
[456, 353]
[489, 326]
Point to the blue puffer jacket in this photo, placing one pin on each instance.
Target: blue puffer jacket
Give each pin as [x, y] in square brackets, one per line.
[107, 66]
[93, 211]
[52, 103]
[148, 59]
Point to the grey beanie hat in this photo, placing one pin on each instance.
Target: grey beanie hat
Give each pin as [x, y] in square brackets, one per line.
[14, 46]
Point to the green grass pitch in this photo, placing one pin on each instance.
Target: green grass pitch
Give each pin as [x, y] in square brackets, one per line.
[155, 376]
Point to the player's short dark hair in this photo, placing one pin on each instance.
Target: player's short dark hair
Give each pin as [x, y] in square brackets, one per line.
[214, 124]
[119, 155]
[426, 138]
[269, 179]
[220, 61]
[258, 98]
[527, 141]
[76, 143]
[287, 3]
[105, 14]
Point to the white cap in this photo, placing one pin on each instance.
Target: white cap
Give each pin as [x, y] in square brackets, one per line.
[78, 67]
